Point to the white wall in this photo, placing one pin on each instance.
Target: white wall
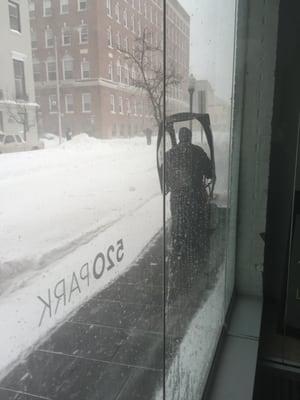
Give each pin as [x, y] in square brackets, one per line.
[16, 45]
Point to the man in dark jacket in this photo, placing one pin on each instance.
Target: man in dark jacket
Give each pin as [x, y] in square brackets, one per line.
[187, 167]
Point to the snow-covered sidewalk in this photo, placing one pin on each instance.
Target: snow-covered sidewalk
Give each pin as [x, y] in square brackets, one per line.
[72, 220]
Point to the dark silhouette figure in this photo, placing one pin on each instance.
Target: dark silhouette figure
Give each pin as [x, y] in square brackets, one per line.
[69, 134]
[148, 134]
[187, 167]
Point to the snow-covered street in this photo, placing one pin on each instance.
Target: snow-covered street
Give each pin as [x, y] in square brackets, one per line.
[56, 199]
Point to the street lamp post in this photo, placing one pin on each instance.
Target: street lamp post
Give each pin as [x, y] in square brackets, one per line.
[58, 93]
[192, 84]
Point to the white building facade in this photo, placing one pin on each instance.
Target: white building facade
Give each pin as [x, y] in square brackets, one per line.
[18, 109]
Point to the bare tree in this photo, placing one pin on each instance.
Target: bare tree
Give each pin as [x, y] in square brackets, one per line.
[18, 112]
[150, 76]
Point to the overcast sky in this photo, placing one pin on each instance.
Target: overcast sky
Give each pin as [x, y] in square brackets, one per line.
[212, 42]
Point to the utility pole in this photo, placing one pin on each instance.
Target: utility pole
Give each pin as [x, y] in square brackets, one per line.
[58, 92]
[191, 89]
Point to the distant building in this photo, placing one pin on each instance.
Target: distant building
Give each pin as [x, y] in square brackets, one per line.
[17, 98]
[97, 95]
[205, 101]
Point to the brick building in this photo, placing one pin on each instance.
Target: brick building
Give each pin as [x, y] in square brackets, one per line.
[96, 91]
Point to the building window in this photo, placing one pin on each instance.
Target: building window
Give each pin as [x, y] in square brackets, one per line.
[128, 106]
[133, 24]
[117, 12]
[119, 75]
[36, 71]
[47, 8]
[112, 104]
[51, 71]
[85, 69]
[126, 43]
[125, 19]
[118, 40]
[31, 8]
[33, 39]
[133, 75]
[108, 7]
[139, 28]
[68, 69]
[82, 5]
[64, 6]
[14, 16]
[139, 6]
[53, 104]
[110, 72]
[151, 14]
[134, 107]
[145, 10]
[66, 36]
[121, 105]
[109, 37]
[126, 74]
[86, 102]
[69, 103]
[83, 34]
[19, 79]
[49, 38]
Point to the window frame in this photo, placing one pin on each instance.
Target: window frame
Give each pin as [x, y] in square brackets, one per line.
[36, 63]
[47, 70]
[79, 2]
[108, 8]
[47, 30]
[21, 79]
[112, 104]
[31, 11]
[64, 30]
[110, 71]
[16, 6]
[85, 62]
[68, 96]
[83, 103]
[47, 8]
[51, 102]
[109, 37]
[121, 105]
[81, 28]
[64, 61]
[117, 12]
[61, 5]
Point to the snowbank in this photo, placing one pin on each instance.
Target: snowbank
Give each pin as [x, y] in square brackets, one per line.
[53, 199]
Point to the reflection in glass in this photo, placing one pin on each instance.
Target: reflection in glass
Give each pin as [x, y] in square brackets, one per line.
[194, 173]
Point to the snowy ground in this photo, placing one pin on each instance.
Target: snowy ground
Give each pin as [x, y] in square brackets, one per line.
[53, 199]
[60, 207]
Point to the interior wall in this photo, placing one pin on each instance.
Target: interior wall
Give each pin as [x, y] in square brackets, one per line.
[283, 154]
[255, 143]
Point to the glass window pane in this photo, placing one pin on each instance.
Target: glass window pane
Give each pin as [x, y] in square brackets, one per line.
[81, 255]
[200, 44]
[14, 16]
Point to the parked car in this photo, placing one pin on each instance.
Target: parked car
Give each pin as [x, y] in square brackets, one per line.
[50, 140]
[11, 143]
